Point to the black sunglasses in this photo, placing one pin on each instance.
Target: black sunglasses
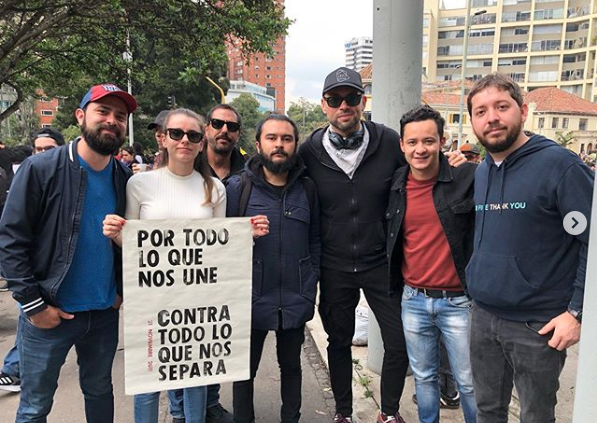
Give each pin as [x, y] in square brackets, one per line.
[177, 134]
[336, 100]
[219, 124]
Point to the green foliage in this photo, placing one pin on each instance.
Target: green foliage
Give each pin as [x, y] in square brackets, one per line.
[308, 116]
[248, 107]
[64, 46]
[565, 139]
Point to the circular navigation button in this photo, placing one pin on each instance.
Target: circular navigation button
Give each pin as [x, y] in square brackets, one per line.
[575, 223]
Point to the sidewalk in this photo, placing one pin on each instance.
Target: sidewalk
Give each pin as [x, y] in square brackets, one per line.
[366, 395]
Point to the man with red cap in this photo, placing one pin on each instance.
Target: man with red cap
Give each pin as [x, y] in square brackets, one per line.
[64, 273]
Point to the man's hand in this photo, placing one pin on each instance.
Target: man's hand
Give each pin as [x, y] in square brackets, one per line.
[566, 331]
[117, 302]
[112, 228]
[455, 158]
[49, 318]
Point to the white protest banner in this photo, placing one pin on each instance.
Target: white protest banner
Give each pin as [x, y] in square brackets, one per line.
[187, 302]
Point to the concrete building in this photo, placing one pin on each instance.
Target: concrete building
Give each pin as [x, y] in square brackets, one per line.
[267, 103]
[359, 52]
[266, 71]
[538, 43]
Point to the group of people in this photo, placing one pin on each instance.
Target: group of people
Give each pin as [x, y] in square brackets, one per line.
[441, 248]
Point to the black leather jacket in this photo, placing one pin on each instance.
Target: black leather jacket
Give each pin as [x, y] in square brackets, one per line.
[453, 198]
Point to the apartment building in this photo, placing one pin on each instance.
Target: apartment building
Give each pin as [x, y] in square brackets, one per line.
[539, 43]
[359, 52]
[266, 71]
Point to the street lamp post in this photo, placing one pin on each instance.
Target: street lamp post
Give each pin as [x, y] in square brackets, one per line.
[467, 27]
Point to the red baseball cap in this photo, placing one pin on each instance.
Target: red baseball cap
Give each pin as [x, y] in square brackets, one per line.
[103, 90]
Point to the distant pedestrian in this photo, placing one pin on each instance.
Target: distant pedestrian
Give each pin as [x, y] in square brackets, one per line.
[527, 273]
[285, 263]
[65, 275]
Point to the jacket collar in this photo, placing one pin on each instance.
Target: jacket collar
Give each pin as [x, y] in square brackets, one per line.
[255, 170]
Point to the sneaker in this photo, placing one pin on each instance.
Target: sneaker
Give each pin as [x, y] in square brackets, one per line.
[384, 418]
[218, 414]
[451, 403]
[3, 285]
[339, 418]
[399, 418]
[10, 383]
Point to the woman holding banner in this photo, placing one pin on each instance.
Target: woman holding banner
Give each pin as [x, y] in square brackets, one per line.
[174, 192]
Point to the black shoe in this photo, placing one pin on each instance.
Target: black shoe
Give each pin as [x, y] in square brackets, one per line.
[451, 403]
[218, 414]
[177, 420]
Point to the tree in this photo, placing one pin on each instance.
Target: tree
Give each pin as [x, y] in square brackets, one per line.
[248, 107]
[565, 139]
[308, 116]
[61, 46]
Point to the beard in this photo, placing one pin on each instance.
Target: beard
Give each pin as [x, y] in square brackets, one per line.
[105, 144]
[347, 127]
[499, 145]
[278, 166]
[225, 149]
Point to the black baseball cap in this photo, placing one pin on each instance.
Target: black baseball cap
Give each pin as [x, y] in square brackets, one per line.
[159, 120]
[343, 77]
[48, 133]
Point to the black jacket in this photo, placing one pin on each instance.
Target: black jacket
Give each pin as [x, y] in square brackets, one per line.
[40, 225]
[352, 210]
[286, 261]
[453, 199]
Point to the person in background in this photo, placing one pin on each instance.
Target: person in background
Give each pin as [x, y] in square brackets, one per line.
[471, 152]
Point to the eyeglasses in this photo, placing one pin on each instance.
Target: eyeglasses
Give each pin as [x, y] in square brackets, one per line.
[177, 134]
[336, 100]
[219, 124]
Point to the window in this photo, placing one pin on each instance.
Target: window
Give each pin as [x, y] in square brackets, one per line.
[565, 123]
[47, 113]
[541, 123]
[554, 123]
[582, 124]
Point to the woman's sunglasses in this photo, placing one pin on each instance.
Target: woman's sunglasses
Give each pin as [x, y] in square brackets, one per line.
[177, 134]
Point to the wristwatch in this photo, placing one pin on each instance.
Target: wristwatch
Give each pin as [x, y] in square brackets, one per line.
[577, 314]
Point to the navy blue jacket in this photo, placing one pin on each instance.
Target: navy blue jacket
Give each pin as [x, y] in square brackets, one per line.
[285, 261]
[40, 225]
[525, 266]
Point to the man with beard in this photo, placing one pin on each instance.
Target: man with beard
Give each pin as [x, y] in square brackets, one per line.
[285, 262]
[527, 272]
[352, 163]
[222, 133]
[64, 273]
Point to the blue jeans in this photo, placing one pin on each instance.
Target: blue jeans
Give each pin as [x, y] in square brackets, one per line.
[94, 334]
[506, 353]
[424, 320]
[176, 400]
[193, 400]
[11, 360]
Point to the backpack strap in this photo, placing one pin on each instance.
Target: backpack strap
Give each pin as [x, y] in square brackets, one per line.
[245, 192]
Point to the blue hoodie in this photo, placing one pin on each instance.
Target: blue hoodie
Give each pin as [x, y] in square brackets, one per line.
[525, 266]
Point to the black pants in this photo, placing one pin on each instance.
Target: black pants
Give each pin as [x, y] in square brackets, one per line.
[288, 348]
[339, 298]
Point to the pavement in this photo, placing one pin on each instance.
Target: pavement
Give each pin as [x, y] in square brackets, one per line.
[318, 403]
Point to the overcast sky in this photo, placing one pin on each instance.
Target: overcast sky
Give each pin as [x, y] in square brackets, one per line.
[315, 41]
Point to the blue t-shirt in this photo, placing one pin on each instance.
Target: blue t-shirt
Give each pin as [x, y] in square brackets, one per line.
[90, 283]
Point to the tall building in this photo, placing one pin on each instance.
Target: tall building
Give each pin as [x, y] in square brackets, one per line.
[359, 52]
[538, 43]
[260, 69]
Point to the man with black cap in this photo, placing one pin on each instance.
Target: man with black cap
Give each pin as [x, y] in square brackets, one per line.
[352, 163]
[64, 273]
[157, 126]
[46, 139]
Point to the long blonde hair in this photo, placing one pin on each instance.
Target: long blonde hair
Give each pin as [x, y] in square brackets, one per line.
[200, 165]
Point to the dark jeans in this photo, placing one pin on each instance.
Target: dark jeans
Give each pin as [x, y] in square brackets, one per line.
[506, 353]
[340, 293]
[288, 349]
[94, 334]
